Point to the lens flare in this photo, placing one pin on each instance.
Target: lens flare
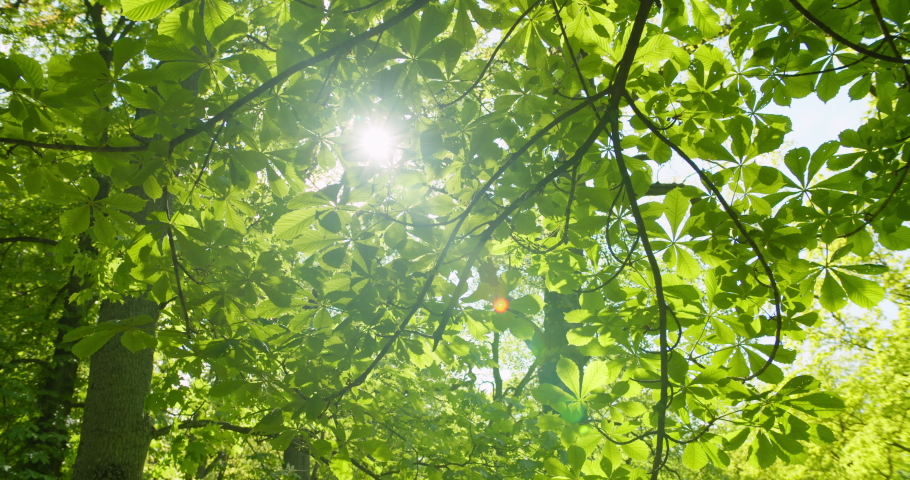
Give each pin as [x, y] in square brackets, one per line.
[501, 305]
[377, 144]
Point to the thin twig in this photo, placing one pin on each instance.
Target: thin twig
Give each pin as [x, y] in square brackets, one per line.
[176, 263]
[739, 226]
[865, 50]
[869, 218]
[493, 55]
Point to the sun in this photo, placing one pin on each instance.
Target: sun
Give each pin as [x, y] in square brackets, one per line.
[376, 143]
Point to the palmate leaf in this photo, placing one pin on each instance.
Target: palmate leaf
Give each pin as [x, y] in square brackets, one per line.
[832, 297]
[676, 206]
[312, 279]
[694, 456]
[293, 224]
[569, 374]
[596, 374]
[140, 10]
[862, 292]
[706, 19]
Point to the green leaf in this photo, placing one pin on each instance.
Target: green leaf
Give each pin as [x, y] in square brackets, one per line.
[30, 68]
[293, 224]
[569, 374]
[577, 316]
[140, 10]
[705, 19]
[76, 220]
[687, 265]
[331, 221]
[596, 374]
[632, 409]
[862, 292]
[764, 452]
[637, 450]
[896, 240]
[577, 458]
[104, 231]
[226, 387]
[92, 343]
[282, 441]
[152, 188]
[522, 329]
[556, 468]
[832, 296]
[797, 160]
[694, 456]
[678, 368]
[125, 201]
[529, 304]
[135, 340]
[551, 395]
[822, 400]
[676, 206]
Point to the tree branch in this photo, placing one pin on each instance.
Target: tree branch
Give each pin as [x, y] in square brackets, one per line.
[493, 55]
[281, 77]
[71, 147]
[45, 241]
[739, 226]
[191, 424]
[840, 38]
[871, 217]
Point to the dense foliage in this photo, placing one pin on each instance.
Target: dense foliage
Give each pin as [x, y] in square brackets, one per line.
[253, 239]
[859, 355]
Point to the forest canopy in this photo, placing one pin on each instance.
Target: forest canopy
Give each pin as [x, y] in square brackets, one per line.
[436, 239]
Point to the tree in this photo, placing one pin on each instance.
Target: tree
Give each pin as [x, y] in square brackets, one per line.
[277, 224]
[860, 358]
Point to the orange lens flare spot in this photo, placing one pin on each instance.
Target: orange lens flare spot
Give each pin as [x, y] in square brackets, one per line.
[501, 305]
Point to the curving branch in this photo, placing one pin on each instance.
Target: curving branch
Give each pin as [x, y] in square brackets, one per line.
[493, 55]
[565, 38]
[613, 112]
[176, 264]
[870, 217]
[191, 424]
[865, 50]
[819, 72]
[283, 76]
[739, 226]
[487, 234]
[889, 39]
[622, 442]
[44, 241]
[71, 147]
[431, 276]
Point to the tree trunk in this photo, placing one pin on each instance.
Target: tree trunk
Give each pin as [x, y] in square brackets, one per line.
[555, 344]
[115, 429]
[297, 459]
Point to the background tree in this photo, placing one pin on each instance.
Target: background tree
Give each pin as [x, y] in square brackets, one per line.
[280, 217]
[858, 356]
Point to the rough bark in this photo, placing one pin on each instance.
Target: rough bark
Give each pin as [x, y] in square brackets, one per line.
[115, 428]
[297, 459]
[116, 431]
[555, 328]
